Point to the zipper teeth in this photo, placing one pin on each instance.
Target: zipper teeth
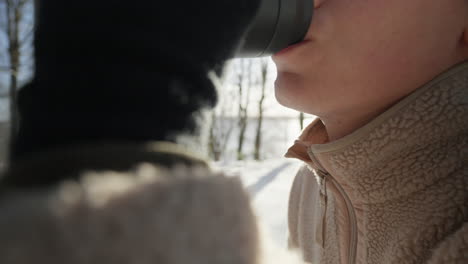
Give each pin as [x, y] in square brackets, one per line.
[352, 216]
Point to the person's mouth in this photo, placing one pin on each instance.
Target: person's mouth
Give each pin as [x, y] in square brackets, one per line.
[288, 49]
[291, 47]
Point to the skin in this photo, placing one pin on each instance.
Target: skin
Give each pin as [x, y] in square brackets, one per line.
[360, 57]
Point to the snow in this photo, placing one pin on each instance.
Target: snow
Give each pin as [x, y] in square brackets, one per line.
[268, 183]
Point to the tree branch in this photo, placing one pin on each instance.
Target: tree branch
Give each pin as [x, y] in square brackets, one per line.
[5, 69]
[21, 3]
[27, 36]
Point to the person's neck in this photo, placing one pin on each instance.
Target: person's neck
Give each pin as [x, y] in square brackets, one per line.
[341, 125]
[344, 122]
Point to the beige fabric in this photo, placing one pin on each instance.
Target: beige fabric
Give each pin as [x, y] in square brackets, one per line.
[299, 227]
[405, 174]
[148, 212]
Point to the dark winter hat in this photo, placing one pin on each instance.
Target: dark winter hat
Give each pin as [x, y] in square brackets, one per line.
[125, 70]
[167, 33]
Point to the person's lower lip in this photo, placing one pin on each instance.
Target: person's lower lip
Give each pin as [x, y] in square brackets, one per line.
[290, 48]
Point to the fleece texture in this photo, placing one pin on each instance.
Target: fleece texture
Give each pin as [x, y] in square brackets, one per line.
[154, 204]
[405, 174]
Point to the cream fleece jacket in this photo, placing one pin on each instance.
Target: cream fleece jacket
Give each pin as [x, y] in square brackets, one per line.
[395, 190]
[152, 212]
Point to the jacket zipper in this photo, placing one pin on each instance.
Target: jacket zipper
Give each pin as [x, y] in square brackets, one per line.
[320, 231]
[324, 178]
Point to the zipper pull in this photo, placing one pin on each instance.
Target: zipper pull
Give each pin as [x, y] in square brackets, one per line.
[320, 231]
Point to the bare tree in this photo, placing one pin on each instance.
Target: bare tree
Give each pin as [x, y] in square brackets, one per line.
[220, 133]
[221, 125]
[18, 33]
[214, 148]
[244, 83]
[301, 120]
[258, 134]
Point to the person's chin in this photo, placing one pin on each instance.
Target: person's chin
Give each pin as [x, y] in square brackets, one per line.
[286, 90]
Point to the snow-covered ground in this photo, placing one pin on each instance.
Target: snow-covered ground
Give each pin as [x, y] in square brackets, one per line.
[268, 183]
